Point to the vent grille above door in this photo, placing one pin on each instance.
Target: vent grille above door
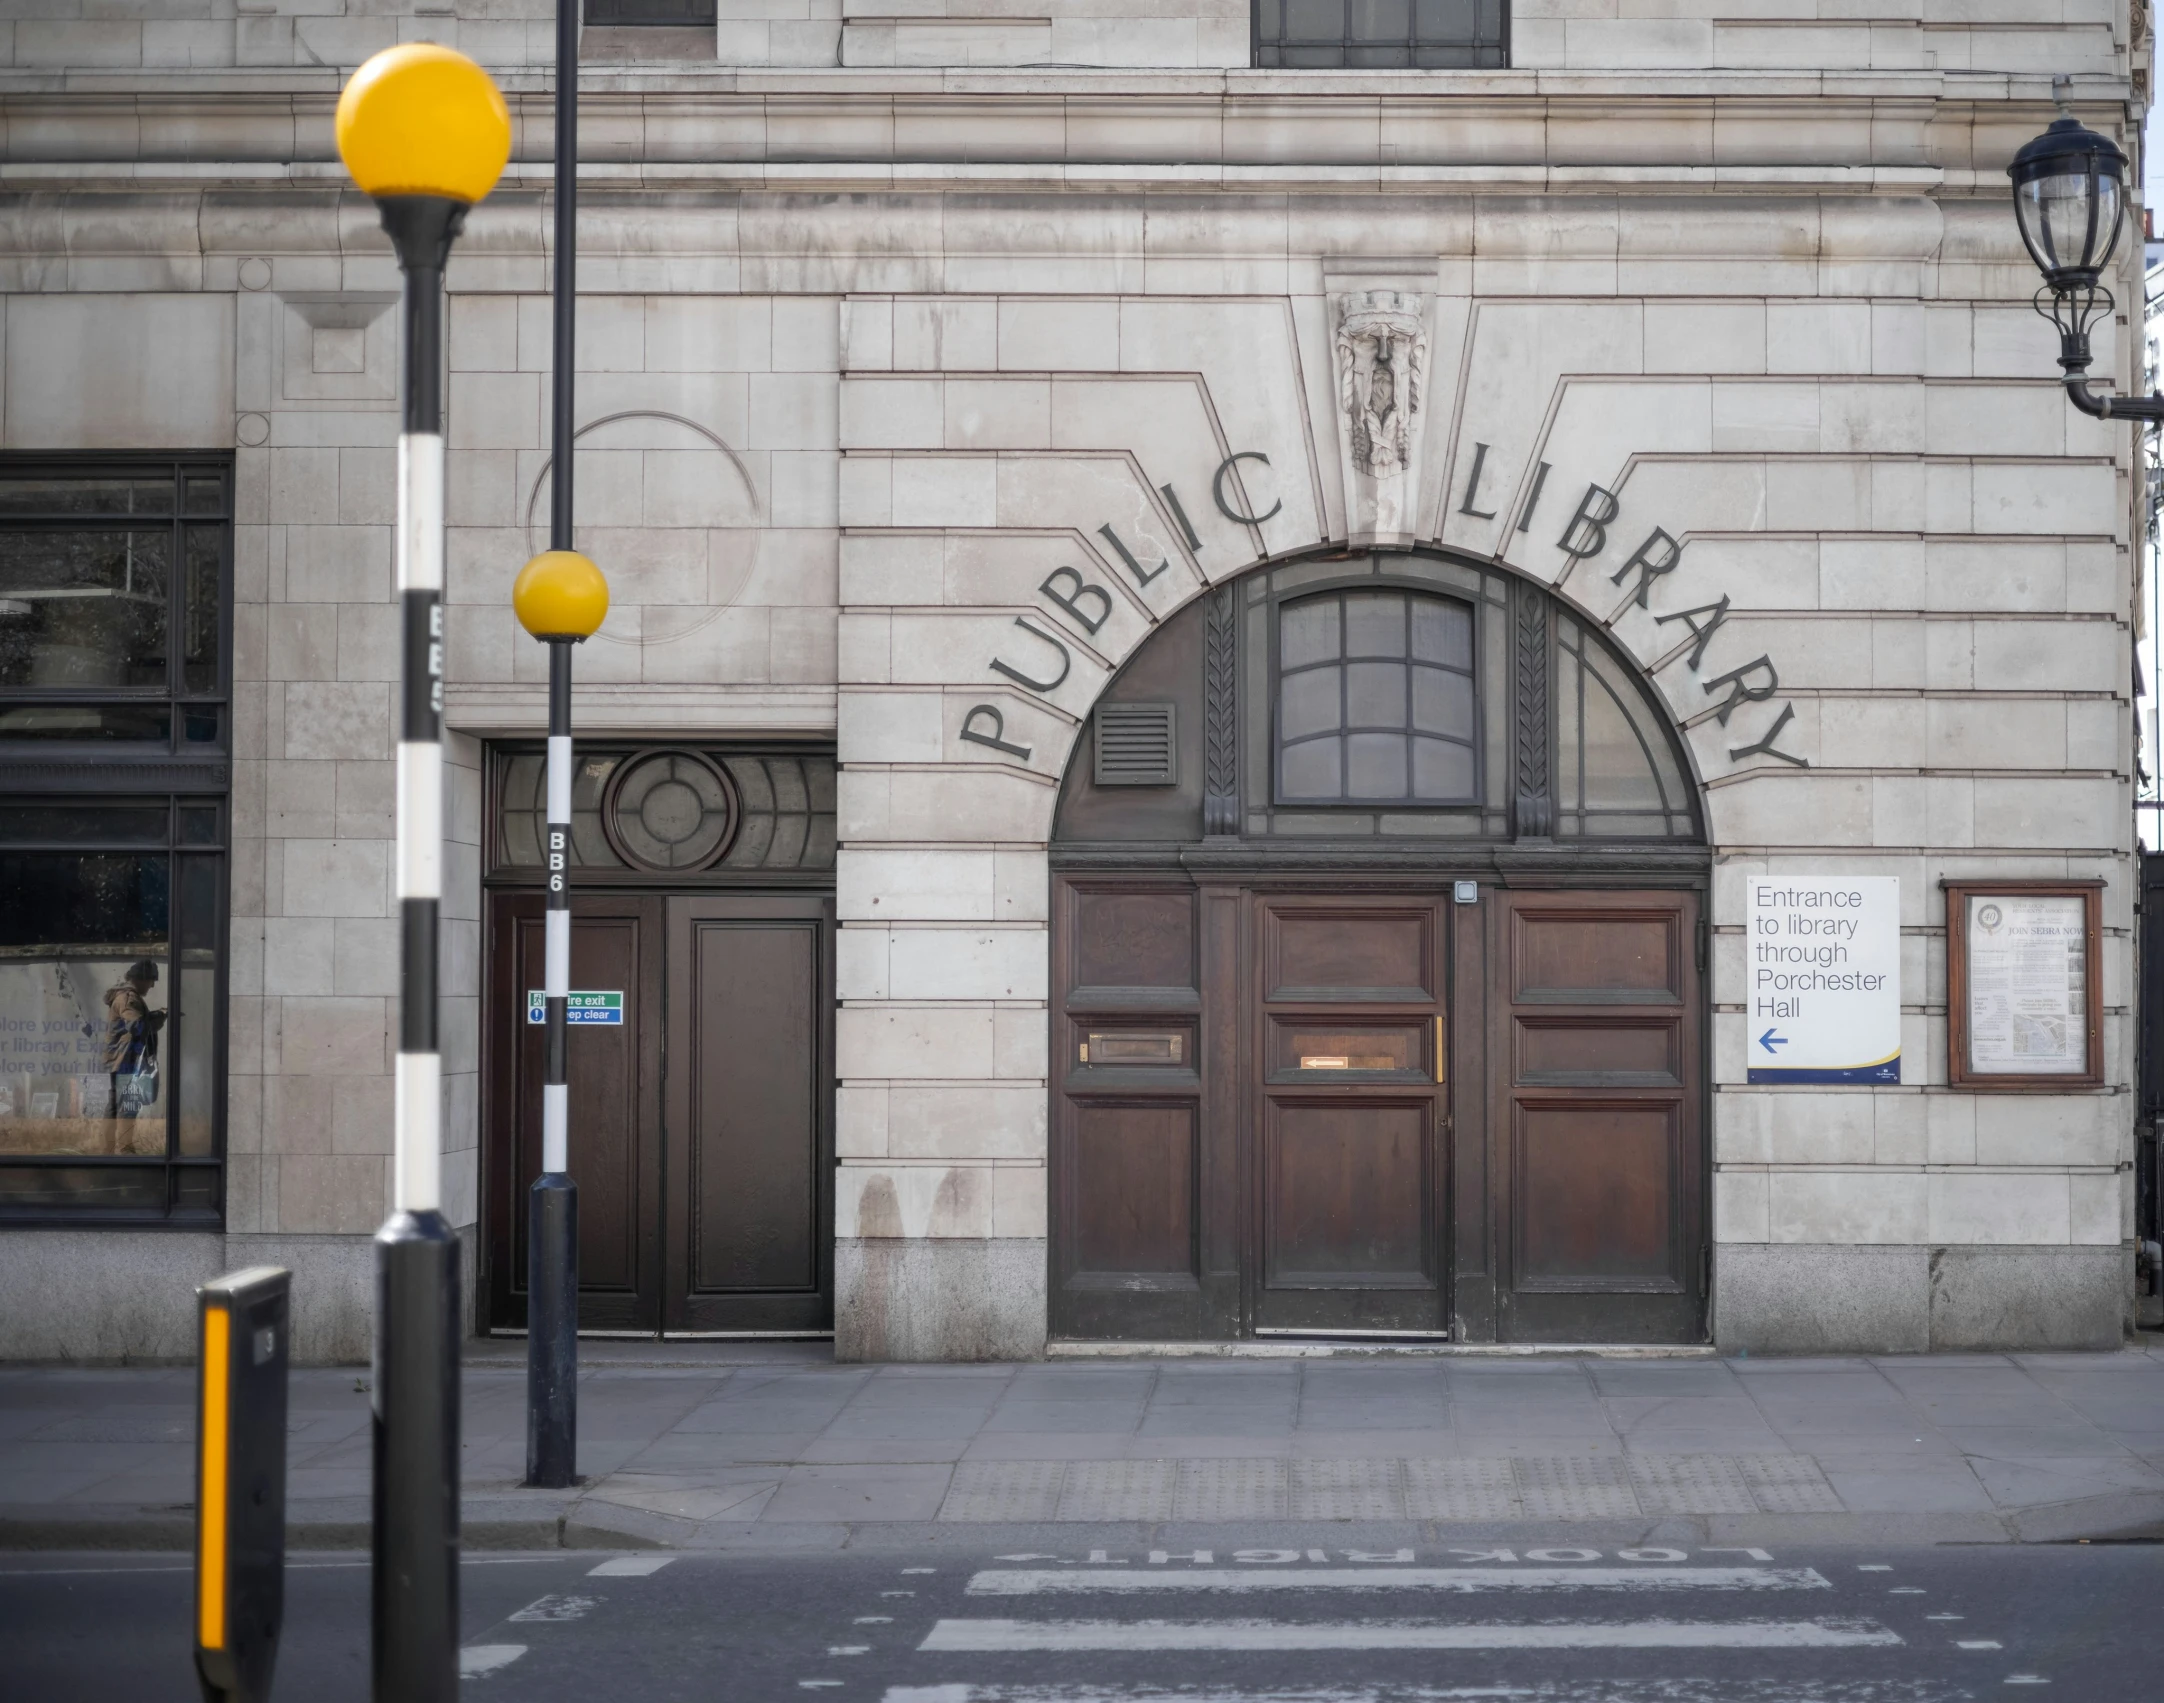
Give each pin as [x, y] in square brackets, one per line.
[1135, 745]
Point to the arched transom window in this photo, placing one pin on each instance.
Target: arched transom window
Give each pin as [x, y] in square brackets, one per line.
[1379, 696]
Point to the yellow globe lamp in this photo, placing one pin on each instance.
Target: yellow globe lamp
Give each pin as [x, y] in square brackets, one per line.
[419, 119]
[560, 594]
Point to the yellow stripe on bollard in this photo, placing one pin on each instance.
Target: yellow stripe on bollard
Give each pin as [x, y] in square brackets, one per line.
[211, 1515]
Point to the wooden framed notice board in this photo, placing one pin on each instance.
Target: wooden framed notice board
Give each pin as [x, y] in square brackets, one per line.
[2024, 984]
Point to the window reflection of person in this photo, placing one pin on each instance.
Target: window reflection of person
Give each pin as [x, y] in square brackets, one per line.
[131, 1034]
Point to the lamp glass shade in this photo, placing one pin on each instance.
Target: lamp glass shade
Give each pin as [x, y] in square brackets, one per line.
[2069, 201]
[560, 594]
[419, 119]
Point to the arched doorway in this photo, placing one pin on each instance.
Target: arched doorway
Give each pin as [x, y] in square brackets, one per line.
[1376, 961]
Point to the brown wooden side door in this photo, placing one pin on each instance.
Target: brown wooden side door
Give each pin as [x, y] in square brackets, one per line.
[749, 1219]
[1350, 1114]
[1597, 1159]
[615, 1071]
[1143, 1200]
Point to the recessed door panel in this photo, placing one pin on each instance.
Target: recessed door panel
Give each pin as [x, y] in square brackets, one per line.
[1346, 951]
[1132, 938]
[1589, 955]
[1131, 1211]
[1596, 1185]
[1346, 1185]
[1615, 1052]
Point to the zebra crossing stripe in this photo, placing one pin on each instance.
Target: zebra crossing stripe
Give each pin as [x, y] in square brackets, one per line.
[1026, 1582]
[1007, 1636]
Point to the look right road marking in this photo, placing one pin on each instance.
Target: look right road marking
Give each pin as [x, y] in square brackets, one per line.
[1017, 1582]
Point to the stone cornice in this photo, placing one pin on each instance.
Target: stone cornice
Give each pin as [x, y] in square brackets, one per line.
[1756, 140]
[1419, 88]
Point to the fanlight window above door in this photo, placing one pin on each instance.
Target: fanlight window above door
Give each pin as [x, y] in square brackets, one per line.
[1384, 696]
[1375, 700]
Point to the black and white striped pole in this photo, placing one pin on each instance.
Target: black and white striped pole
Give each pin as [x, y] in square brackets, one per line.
[560, 598]
[426, 134]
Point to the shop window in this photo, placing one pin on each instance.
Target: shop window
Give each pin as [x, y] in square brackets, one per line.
[115, 639]
[1382, 34]
[112, 929]
[113, 603]
[1376, 701]
[707, 813]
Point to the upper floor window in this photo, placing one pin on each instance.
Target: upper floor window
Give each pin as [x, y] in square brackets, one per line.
[113, 602]
[680, 14]
[1382, 34]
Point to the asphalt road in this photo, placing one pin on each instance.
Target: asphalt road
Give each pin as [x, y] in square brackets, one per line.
[1064, 1624]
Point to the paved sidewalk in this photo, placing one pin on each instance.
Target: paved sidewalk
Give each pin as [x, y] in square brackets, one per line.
[726, 1445]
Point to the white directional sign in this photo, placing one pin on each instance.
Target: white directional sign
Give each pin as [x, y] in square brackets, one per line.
[1822, 978]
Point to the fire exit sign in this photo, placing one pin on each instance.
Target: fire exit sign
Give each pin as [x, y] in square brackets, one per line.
[599, 1006]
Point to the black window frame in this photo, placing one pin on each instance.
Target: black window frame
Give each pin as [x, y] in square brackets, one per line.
[625, 15]
[180, 702]
[1349, 51]
[1280, 601]
[186, 778]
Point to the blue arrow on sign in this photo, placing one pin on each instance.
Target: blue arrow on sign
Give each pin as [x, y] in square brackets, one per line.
[1769, 1040]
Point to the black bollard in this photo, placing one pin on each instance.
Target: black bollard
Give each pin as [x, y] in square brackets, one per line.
[240, 1502]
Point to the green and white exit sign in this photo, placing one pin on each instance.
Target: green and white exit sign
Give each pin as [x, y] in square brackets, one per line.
[601, 1006]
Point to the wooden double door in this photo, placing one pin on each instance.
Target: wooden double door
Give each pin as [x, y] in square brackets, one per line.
[701, 1121]
[1338, 1109]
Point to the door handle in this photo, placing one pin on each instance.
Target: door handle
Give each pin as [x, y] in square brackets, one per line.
[1442, 1066]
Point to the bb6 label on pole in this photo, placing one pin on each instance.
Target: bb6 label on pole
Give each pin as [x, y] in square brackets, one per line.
[1822, 978]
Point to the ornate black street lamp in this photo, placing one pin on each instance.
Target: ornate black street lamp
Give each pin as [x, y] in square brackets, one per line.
[2070, 201]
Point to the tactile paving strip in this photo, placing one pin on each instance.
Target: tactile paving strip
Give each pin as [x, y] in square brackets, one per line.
[1575, 1487]
[1118, 1490]
[1235, 1489]
[1473, 1488]
[1020, 1491]
[1690, 1484]
[1347, 1490]
[1789, 1484]
[1465, 1488]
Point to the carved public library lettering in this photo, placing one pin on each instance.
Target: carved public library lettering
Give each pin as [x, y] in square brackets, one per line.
[1374, 358]
[1382, 360]
[1586, 536]
[1067, 589]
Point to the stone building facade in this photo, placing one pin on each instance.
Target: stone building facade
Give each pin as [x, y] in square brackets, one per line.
[952, 376]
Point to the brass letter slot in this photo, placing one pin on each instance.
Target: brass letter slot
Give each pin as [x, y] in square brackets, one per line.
[1134, 1046]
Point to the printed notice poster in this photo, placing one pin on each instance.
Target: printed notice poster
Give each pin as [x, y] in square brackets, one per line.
[1822, 963]
[2028, 984]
